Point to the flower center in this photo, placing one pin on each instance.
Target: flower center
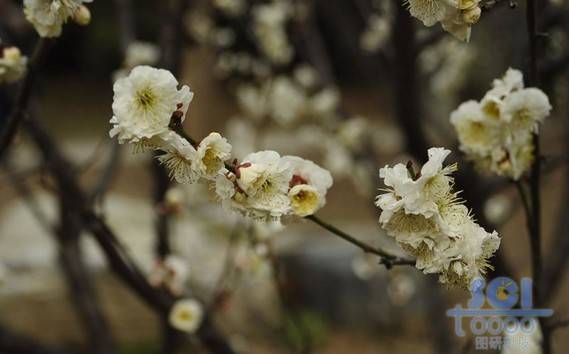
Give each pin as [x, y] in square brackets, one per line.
[145, 98]
[210, 160]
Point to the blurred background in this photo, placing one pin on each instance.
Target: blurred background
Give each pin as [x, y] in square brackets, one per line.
[353, 85]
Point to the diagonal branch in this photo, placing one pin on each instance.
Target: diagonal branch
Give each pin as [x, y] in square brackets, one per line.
[8, 131]
[117, 256]
[385, 257]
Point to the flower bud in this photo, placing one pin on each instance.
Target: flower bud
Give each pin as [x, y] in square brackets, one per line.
[82, 16]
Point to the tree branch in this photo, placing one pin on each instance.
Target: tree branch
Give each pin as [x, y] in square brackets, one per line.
[116, 254]
[386, 258]
[23, 97]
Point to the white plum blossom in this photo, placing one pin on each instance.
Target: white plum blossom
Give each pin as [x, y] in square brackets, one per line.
[308, 185]
[225, 186]
[526, 109]
[263, 179]
[180, 157]
[12, 64]
[496, 133]
[455, 16]
[48, 16]
[213, 151]
[144, 103]
[186, 315]
[148, 112]
[476, 133]
[417, 196]
[427, 219]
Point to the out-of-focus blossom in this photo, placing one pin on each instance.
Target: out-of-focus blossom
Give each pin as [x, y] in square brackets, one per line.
[496, 133]
[171, 273]
[231, 7]
[186, 315]
[48, 16]
[270, 29]
[12, 64]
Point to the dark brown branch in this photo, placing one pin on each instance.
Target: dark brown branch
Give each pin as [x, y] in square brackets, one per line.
[558, 324]
[535, 177]
[408, 105]
[117, 256]
[79, 280]
[385, 257]
[555, 67]
[171, 39]
[125, 23]
[81, 289]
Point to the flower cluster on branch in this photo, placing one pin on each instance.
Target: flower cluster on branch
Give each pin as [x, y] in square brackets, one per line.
[49, 16]
[496, 132]
[148, 112]
[428, 219]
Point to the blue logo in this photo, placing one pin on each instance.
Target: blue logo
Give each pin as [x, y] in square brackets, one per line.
[501, 307]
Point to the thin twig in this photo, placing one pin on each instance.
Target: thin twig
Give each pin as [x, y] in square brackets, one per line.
[386, 258]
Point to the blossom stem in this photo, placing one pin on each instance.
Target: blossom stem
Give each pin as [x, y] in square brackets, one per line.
[525, 203]
[386, 258]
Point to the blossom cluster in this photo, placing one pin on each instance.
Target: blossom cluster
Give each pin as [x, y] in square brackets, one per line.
[496, 132]
[455, 16]
[269, 26]
[426, 218]
[49, 16]
[12, 64]
[148, 112]
[287, 101]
